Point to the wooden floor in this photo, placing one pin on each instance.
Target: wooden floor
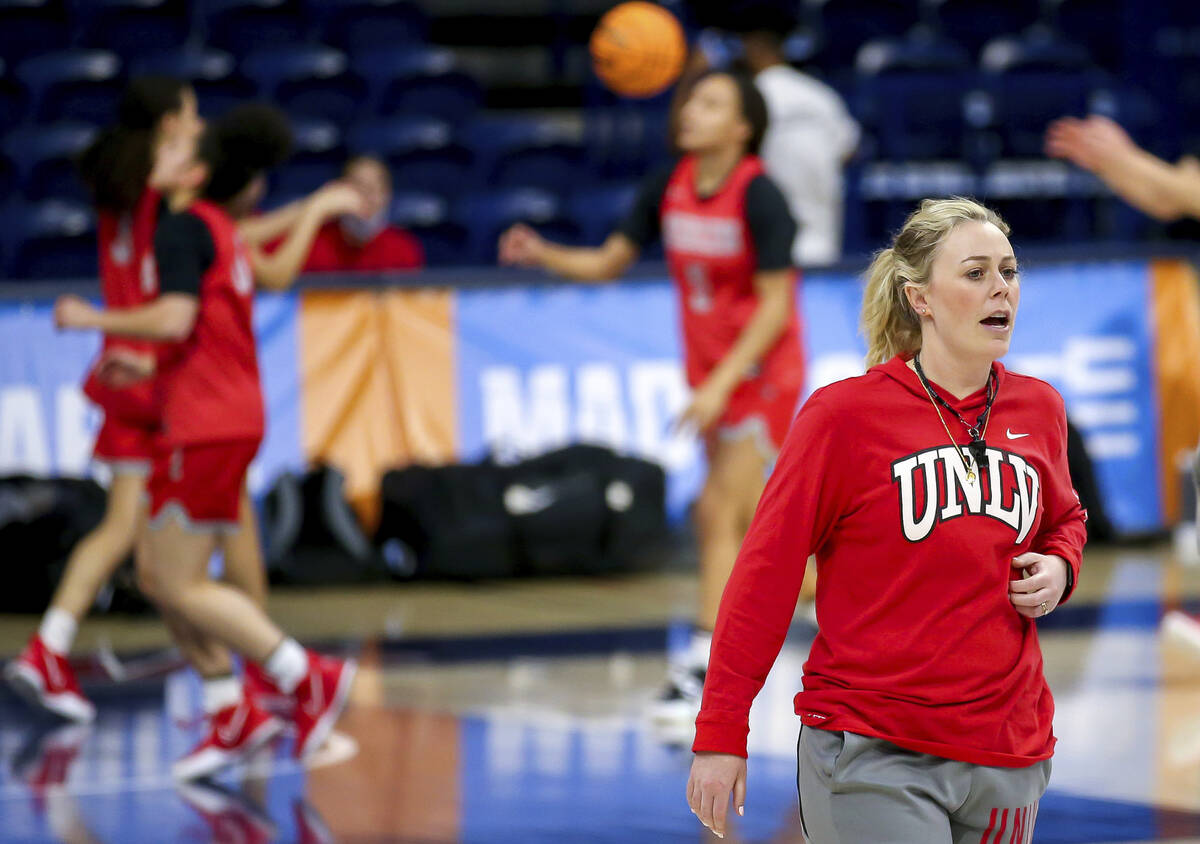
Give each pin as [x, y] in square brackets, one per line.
[516, 712]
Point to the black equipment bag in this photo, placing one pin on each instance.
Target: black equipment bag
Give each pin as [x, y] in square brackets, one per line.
[446, 522]
[311, 533]
[582, 509]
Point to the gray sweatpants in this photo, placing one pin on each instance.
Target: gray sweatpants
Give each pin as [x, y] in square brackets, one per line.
[859, 790]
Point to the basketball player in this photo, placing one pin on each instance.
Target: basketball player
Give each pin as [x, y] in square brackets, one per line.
[213, 423]
[935, 493]
[728, 235]
[126, 169]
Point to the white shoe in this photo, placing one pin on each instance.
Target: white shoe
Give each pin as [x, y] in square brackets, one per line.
[679, 701]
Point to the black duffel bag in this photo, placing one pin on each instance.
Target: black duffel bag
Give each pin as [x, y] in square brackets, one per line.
[585, 509]
[41, 520]
[446, 522]
[311, 533]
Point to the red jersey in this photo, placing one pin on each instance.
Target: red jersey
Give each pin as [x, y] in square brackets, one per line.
[127, 279]
[210, 382]
[390, 249]
[918, 644]
[712, 260]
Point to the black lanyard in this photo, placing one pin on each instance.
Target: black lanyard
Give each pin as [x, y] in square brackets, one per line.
[976, 446]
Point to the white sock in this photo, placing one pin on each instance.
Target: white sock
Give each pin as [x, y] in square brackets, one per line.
[287, 665]
[220, 692]
[57, 630]
[698, 648]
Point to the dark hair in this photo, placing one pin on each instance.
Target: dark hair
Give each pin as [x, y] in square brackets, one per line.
[117, 163]
[245, 142]
[753, 106]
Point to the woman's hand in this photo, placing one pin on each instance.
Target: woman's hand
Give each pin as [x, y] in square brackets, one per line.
[120, 367]
[714, 777]
[1040, 590]
[73, 312]
[705, 408]
[521, 246]
[339, 197]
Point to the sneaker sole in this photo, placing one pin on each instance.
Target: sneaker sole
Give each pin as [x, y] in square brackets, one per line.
[210, 760]
[27, 683]
[324, 726]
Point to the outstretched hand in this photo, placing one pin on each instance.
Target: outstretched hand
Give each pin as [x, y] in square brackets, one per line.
[521, 246]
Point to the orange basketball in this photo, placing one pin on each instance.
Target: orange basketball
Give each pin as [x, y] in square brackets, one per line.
[638, 49]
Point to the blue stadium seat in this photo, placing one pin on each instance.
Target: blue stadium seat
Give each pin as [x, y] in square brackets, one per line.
[527, 152]
[845, 25]
[127, 26]
[307, 80]
[1033, 80]
[909, 93]
[53, 239]
[972, 23]
[598, 211]
[425, 215]
[13, 100]
[212, 74]
[75, 84]
[356, 25]
[422, 153]
[318, 156]
[487, 215]
[241, 26]
[1101, 24]
[44, 158]
[28, 27]
[419, 82]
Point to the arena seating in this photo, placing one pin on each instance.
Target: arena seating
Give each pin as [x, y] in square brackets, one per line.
[952, 94]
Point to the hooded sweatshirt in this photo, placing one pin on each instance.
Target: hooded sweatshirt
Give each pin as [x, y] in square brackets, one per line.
[919, 643]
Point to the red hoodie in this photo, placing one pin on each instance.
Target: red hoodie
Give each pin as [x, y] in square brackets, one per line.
[919, 643]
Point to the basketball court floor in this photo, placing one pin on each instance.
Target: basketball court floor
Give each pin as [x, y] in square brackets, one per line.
[515, 713]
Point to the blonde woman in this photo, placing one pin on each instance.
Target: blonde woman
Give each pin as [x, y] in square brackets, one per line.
[935, 494]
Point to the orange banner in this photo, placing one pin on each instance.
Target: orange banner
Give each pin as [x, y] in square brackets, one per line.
[1176, 314]
[377, 384]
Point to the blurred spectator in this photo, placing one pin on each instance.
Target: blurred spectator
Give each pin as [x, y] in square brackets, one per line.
[368, 243]
[1163, 190]
[810, 138]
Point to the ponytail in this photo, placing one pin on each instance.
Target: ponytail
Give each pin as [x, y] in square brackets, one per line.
[889, 323]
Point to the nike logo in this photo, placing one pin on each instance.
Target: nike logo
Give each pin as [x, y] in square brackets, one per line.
[316, 703]
[229, 733]
[1013, 436]
[522, 500]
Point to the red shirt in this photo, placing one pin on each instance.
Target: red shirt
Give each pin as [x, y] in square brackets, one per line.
[127, 279]
[210, 383]
[391, 249]
[712, 260]
[918, 643]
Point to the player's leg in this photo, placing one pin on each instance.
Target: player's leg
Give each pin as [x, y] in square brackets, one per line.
[42, 674]
[1002, 804]
[735, 475]
[855, 788]
[195, 493]
[245, 570]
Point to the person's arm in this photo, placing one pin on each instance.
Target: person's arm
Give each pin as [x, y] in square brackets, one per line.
[167, 319]
[263, 228]
[1158, 188]
[522, 246]
[772, 230]
[1056, 553]
[183, 251]
[278, 269]
[803, 500]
